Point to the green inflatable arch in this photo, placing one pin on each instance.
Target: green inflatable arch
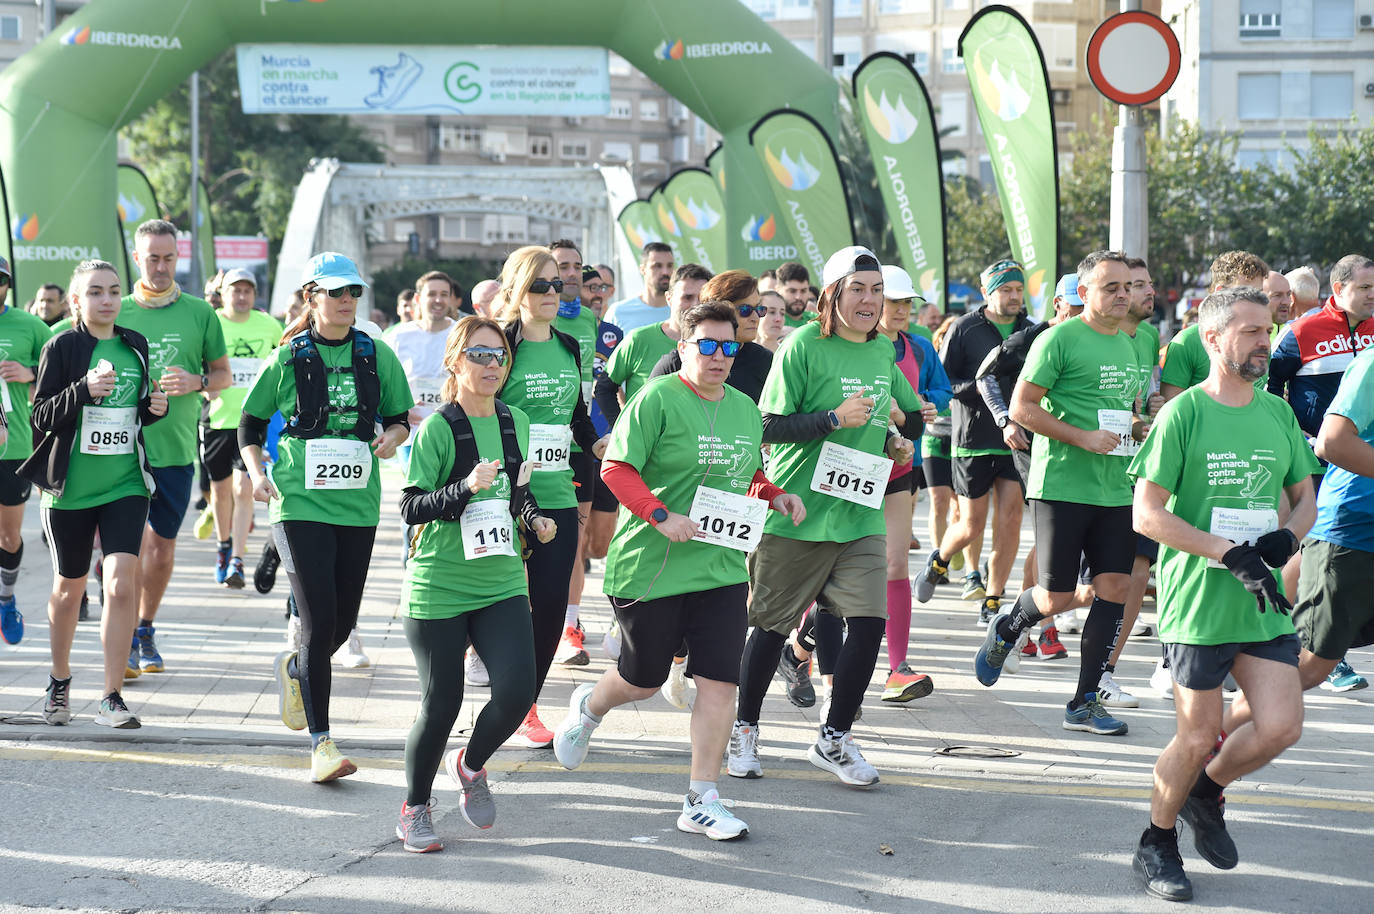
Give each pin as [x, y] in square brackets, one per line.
[62, 103]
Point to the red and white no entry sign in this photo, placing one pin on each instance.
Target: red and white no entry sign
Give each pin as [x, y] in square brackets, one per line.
[1133, 58]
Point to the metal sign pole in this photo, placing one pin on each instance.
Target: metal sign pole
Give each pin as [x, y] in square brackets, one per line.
[1130, 227]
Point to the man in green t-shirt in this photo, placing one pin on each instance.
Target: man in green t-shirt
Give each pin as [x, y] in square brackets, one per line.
[250, 336]
[186, 356]
[1076, 395]
[1209, 482]
[794, 285]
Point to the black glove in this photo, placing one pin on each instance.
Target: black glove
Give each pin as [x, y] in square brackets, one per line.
[1247, 565]
[1278, 547]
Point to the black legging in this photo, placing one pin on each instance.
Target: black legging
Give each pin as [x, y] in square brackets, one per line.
[327, 566]
[549, 569]
[504, 639]
[853, 670]
[823, 633]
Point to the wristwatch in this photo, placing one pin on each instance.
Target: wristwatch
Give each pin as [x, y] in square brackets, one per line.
[205, 382]
[834, 419]
[658, 516]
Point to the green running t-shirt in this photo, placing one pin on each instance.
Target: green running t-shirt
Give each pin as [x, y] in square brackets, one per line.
[249, 343]
[636, 356]
[22, 336]
[543, 381]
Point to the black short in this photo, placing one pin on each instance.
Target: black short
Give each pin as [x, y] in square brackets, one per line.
[71, 534]
[1203, 667]
[603, 499]
[974, 476]
[1067, 532]
[907, 482]
[584, 475]
[14, 490]
[712, 622]
[938, 471]
[219, 449]
[1146, 547]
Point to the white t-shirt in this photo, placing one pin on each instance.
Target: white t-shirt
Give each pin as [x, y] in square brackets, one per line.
[422, 356]
[632, 313]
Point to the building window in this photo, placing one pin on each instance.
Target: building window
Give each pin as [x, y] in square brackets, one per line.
[1333, 95]
[1060, 45]
[794, 9]
[9, 28]
[699, 131]
[914, 46]
[402, 229]
[575, 148]
[648, 152]
[902, 7]
[764, 9]
[807, 46]
[454, 138]
[956, 4]
[951, 62]
[954, 113]
[1257, 96]
[403, 141]
[460, 228]
[682, 148]
[1253, 158]
[617, 65]
[850, 52]
[622, 152]
[1259, 24]
[621, 109]
[849, 9]
[1333, 18]
[541, 147]
[648, 109]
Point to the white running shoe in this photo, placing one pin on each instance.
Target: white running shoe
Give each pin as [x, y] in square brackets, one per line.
[1068, 621]
[674, 688]
[709, 816]
[742, 754]
[842, 758]
[1162, 682]
[610, 642]
[825, 707]
[1113, 695]
[573, 736]
[293, 634]
[1012, 663]
[1141, 628]
[475, 671]
[353, 656]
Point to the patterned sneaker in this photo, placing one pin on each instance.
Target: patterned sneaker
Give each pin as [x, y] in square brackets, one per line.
[57, 708]
[131, 670]
[327, 763]
[674, 688]
[973, 587]
[905, 684]
[115, 713]
[1113, 695]
[571, 649]
[987, 663]
[1051, 648]
[290, 702]
[935, 573]
[742, 754]
[149, 660]
[234, 579]
[476, 804]
[989, 610]
[1093, 718]
[574, 735]
[1342, 679]
[797, 676]
[532, 734]
[222, 557]
[416, 829]
[11, 622]
[842, 758]
[709, 816]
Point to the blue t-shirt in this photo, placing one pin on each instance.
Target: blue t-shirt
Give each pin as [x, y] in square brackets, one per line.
[633, 313]
[1345, 504]
[608, 336]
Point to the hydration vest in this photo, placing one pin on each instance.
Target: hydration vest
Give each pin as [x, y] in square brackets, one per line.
[465, 454]
[313, 407]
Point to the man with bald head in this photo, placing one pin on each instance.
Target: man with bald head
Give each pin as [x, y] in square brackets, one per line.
[483, 294]
[1280, 294]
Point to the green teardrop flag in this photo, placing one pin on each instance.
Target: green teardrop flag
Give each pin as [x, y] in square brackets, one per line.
[667, 225]
[700, 212]
[639, 224]
[136, 204]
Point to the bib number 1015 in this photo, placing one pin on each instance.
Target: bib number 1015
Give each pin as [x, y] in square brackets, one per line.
[850, 483]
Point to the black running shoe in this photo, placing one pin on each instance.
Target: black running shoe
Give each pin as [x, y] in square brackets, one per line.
[1161, 868]
[265, 575]
[797, 675]
[1213, 842]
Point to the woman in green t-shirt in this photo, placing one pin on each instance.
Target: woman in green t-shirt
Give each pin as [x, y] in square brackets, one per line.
[464, 581]
[92, 398]
[324, 491]
[545, 382]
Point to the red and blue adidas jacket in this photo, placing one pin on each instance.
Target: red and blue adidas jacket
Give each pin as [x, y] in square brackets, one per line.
[1309, 358]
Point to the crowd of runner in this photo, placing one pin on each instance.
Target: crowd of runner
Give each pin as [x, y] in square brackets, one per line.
[746, 455]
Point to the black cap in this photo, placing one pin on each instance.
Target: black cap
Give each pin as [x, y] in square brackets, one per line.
[588, 272]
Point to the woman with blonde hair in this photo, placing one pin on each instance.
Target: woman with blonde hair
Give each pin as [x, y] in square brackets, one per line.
[464, 581]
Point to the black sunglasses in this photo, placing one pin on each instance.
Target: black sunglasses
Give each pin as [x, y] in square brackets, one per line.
[541, 286]
[709, 347]
[746, 310]
[485, 355]
[355, 290]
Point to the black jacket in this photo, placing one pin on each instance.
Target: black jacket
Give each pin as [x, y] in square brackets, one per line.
[969, 341]
[746, 375]
[1000, 370]
[60, 392]
[584, 433]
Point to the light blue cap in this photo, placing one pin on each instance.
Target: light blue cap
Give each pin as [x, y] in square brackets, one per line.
[1067, 289]
[331, 270]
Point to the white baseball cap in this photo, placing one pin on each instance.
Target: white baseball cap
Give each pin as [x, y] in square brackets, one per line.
[897, 284]
[846, 261]
[238, 274]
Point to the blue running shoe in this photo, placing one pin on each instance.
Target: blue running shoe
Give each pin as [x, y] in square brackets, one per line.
[1342, 679]
[131, 670]
[222, 564]
[987, 663]
[11, 622]
[1093, 718]
[149, 660]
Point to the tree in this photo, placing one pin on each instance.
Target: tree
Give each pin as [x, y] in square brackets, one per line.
[388, 283]
[974, 231]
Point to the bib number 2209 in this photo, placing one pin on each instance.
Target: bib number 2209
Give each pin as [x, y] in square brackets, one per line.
[337, 464]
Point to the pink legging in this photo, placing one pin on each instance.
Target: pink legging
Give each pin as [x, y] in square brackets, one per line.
[898, 622]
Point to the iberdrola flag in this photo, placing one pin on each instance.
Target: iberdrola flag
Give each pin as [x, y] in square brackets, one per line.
[136, 204]
[699, 209]
[1011, 92]
[639, 224]
[667, 224]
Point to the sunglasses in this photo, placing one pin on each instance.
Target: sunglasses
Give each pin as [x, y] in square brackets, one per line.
[709, 347]
[485, 355]
[354, 290]
[542, 286]
[746, 310]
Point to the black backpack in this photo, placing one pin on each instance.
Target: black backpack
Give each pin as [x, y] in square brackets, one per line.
[311, 417]
[465, 454]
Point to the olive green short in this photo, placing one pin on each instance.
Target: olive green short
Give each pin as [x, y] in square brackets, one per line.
[848, 580]
[1334, 612]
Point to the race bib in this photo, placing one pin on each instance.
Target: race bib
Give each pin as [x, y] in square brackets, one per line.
[549, 448]
[587, 394]
[243, 372]
[337, 463]
[487, 528]
[1118, 421]
[727, 519]
[108, 430]
[427, 391]
[852, 475]
[5, 397]
[1242, 526]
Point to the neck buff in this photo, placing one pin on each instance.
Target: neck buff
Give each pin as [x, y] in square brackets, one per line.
[570, 308]
[1001, 273]
[150, 299]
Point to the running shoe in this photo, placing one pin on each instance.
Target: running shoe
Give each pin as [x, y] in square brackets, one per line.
[1013, 662]
[1031, 648]
[709, 816]
[570, 648]
[797, 675]
[205, 524]
[203, 501]
[416, 829]
[1162, 682]
[353, 655]
[265, 574]
[1160, 866]
[610, 642]
[293, 633]
[842, 758]
[1141, 628]
[956, 563]
[149, 660]
[532, 734]
[393, 81]
[234, 579]
[1069, 622]
[290, 701]
[1111, 694]
[824, 714]
[1207, 820]
[11, 621]
[115, 713]
[905, 684]
[674, 688]
[1051, 648]
[973, 587]
[131, 670]
[222, 556]
[1093, 718]
[475, 671]
[327, 763]
[57, 707]
[742, 754]
[476, 804]
[1342, 679]
[85, 612]
[989, 610]
[574, 734]
[988, 662]
[1229, 684]
[935, 573]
